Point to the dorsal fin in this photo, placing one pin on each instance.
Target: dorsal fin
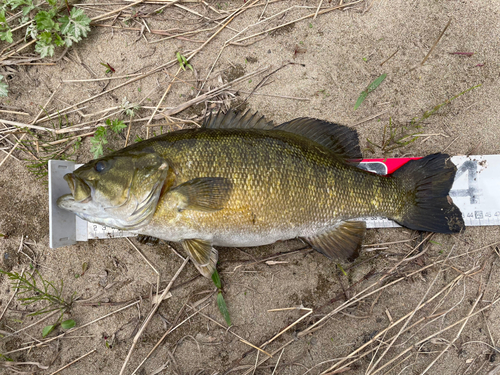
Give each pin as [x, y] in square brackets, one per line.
[232, 120]
[340, 139]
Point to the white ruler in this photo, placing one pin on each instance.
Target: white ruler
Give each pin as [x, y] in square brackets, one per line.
[476, 191]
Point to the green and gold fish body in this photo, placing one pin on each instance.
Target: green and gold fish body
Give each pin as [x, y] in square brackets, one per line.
[282, 186]
[239, 181]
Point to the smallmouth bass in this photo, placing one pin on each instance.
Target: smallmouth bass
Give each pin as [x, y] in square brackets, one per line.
[239, 181]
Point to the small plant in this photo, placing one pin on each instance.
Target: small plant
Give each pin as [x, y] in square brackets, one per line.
[130, 108]
[109, 68]
[5, 32]
[394, 138]
[372, 86]
[33, 288]
[45, 23]
[427, 114]
[183, 62]
[100, 136]
[44, 146]
[220, 299]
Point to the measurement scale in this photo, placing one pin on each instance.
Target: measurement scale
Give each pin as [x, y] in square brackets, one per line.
[475, 191]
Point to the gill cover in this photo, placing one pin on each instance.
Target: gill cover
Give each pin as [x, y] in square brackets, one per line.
[123, 189]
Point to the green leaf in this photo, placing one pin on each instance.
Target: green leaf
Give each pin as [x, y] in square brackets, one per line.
[47, 330]
[117, 126]
[341, 268]
[75, 27]
[44, 21]
[372, 86]
[97, 147]
[376, 83]
[223, 308]
[6, 35]
[67, 324]
[58, 41]
[45, 37]
[98, 141]
[44, 49]
[31, 31]
[101, 132]
[216, 279]
[28, 9]
[6, 358]
[13, 4]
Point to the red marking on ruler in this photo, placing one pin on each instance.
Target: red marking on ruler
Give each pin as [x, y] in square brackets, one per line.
[391, 163]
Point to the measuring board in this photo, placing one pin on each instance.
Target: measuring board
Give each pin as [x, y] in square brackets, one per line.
[476, 191]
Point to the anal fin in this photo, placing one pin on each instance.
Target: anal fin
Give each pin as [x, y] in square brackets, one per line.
[343, 241]
[203, 255]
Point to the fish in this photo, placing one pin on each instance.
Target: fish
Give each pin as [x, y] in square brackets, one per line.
[241, 181]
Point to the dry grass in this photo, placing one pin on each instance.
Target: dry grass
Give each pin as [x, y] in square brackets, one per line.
[390, 349]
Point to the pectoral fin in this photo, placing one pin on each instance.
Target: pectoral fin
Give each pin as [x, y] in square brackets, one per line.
[203, 255]
[204, 194]
[342, 241]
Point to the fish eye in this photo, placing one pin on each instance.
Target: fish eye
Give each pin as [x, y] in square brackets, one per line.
[100, 166]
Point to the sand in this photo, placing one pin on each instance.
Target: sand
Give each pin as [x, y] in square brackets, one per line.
[327, 62]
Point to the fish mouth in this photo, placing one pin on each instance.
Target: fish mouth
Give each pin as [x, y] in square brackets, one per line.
[80, 190]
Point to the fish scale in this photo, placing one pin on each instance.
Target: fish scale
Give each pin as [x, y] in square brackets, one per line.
[240, 181]
[277, 186]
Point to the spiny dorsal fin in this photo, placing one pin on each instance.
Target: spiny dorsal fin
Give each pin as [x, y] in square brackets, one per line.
[232, 120]
[340, 139]
[203, 255]
[342, 241]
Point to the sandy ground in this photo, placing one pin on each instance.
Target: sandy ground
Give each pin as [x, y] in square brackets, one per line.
[334, 58]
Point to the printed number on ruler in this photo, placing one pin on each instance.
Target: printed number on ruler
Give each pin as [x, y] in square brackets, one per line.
[102, 231]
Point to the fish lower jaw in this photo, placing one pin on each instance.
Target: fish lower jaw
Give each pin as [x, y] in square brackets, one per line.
[66, 202]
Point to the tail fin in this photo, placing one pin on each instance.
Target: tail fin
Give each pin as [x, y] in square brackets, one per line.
[427, 182]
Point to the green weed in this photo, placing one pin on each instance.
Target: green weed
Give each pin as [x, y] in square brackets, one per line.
[372, 86]
[45, 146]
[109, 68]
[429, 113]
[33, 288]
[49, 26]
[396, 137]
[45, 22]
[100, 136]
[221, 303]
[183, 62]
